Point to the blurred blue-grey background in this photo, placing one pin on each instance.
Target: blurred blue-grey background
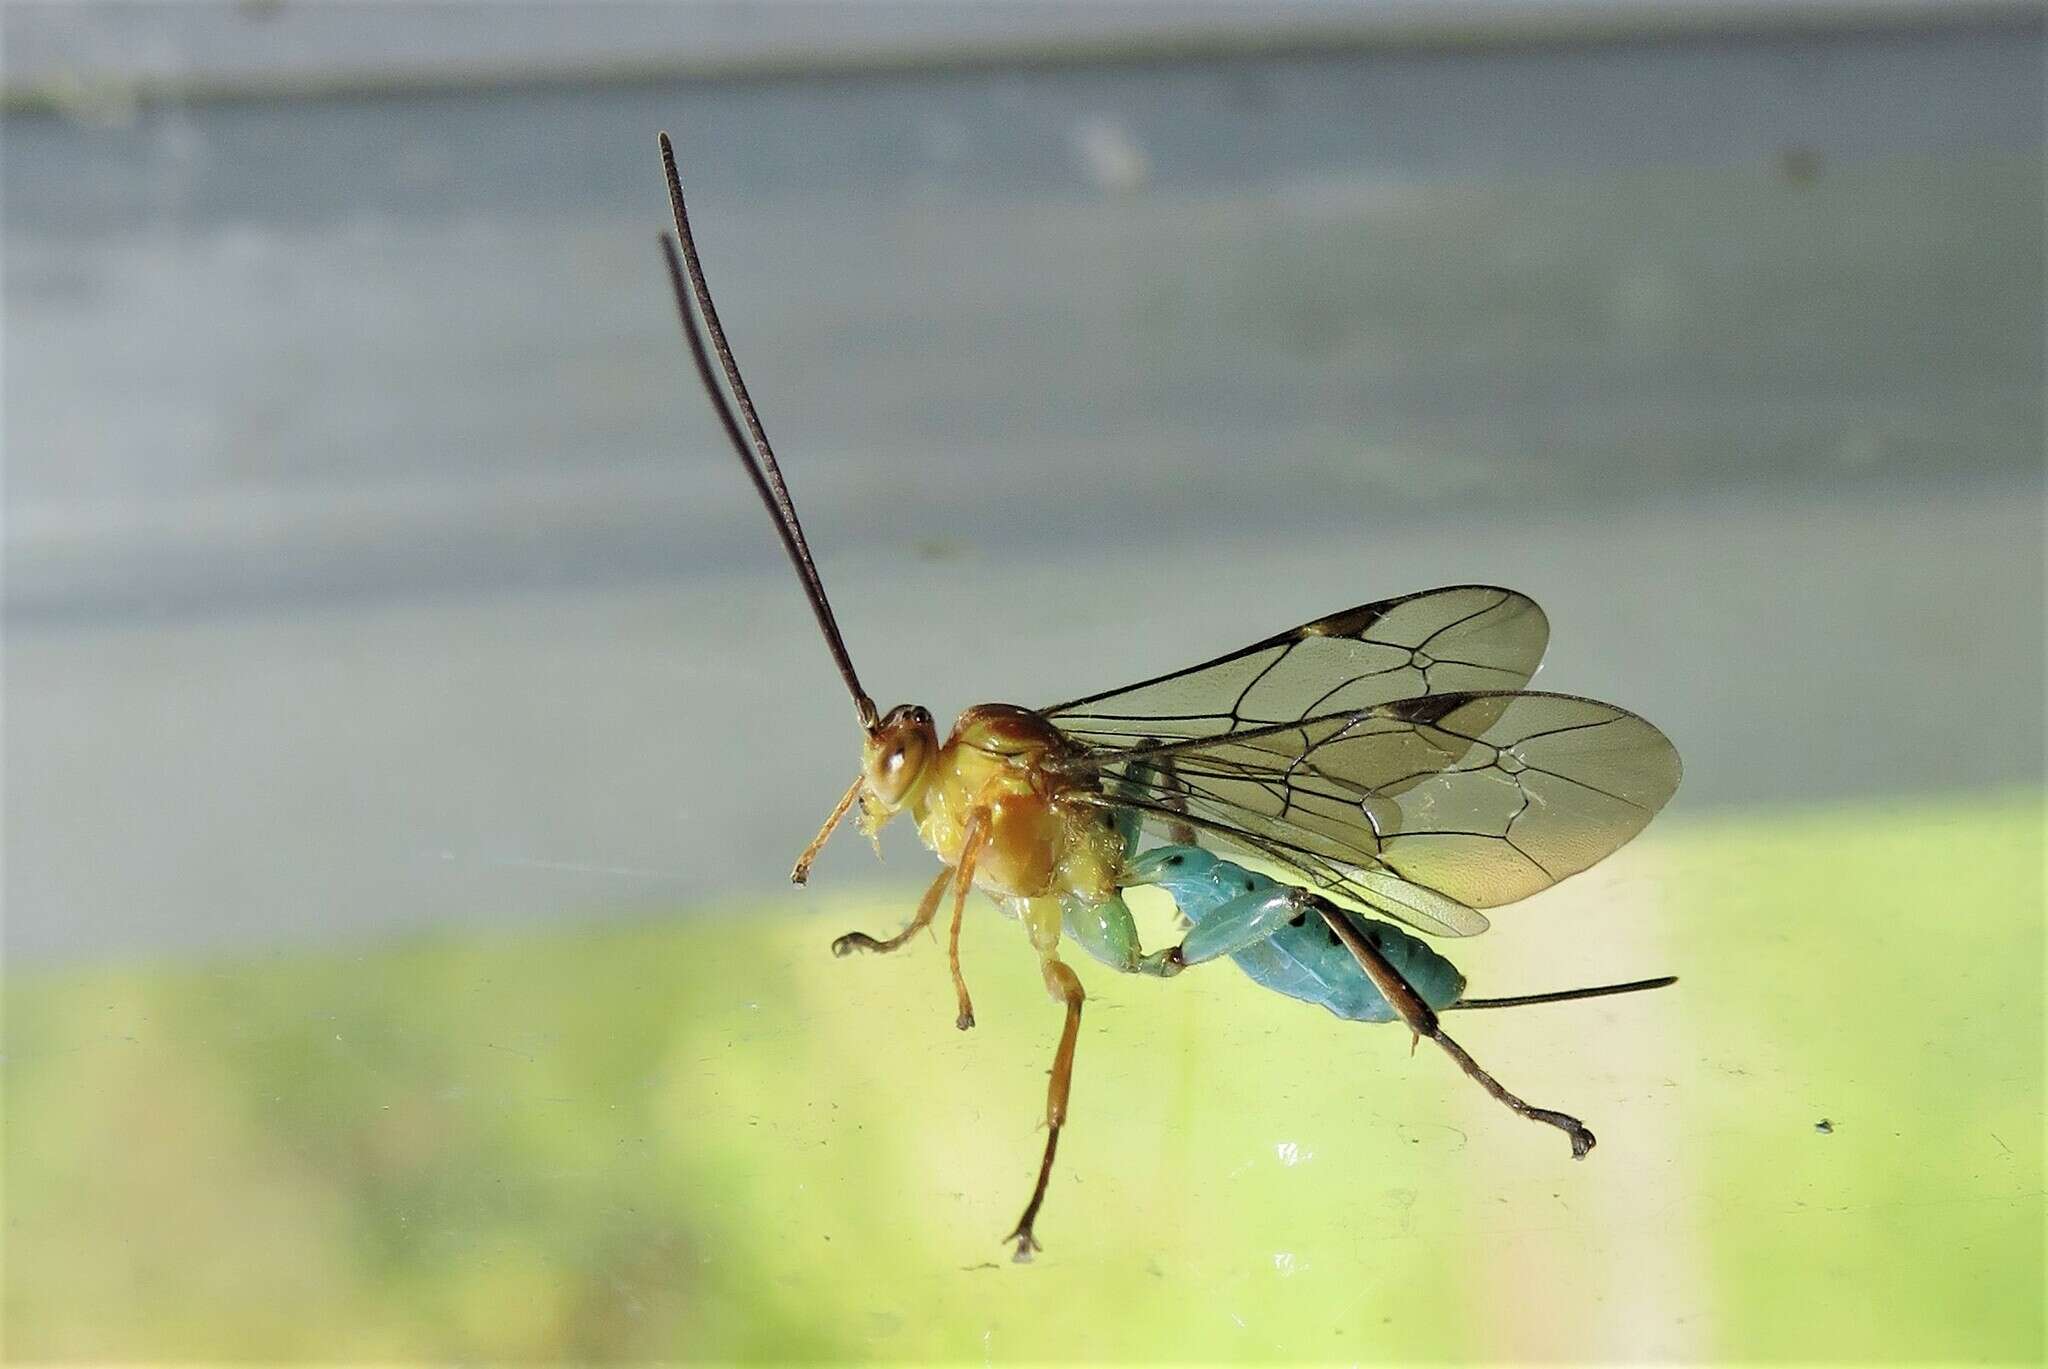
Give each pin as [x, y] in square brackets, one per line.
[370, 551]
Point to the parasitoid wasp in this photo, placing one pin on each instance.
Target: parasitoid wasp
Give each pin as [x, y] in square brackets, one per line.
[1388, 756]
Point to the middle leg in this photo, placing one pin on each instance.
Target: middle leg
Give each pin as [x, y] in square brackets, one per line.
[970, 852]
[1065, 987]
[927, 909]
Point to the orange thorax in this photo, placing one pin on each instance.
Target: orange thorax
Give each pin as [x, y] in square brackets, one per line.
[1038, 840]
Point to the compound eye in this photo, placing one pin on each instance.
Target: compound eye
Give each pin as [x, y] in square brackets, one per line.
[898, 768]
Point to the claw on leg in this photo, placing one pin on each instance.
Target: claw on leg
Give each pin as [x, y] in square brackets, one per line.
[1027, 1244]
[927, 909]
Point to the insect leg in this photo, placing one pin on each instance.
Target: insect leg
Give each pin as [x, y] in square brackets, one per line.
[1421, 1020]
[802, 872]
[1179, 833]
[1065, 987]
[1230, 907]
[1144, 778]
[1251, 917]
[1106, 931]
[970, 851]
[927, 909]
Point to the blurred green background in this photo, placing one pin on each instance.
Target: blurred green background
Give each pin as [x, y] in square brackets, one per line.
[709, 1139]
[409, 720]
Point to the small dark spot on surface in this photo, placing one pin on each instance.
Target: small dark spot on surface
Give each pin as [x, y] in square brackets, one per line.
[1297, 920]
[1249, 886]
[1331, 933]
[1800, 166]
[1176, 860]
[1824, 1127]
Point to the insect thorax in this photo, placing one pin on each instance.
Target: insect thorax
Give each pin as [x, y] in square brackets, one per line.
[1039, 841]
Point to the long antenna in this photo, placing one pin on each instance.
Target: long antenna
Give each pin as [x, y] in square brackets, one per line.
[760, 461]
[1567, 995]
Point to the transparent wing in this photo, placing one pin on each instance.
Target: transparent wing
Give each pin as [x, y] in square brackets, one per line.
[1423, 808]
[1461, 638]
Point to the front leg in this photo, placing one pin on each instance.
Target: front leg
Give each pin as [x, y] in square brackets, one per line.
[802, 873]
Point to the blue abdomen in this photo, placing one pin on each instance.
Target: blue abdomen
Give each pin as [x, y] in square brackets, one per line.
[1305, 960]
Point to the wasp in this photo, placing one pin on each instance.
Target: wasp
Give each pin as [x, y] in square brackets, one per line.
[1388, 758]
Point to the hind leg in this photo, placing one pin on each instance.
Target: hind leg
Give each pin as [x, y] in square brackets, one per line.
[1105, 930]
[1421, 1019]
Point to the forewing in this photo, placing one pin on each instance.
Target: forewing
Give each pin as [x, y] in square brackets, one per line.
[1461, 638]
[1477, 799]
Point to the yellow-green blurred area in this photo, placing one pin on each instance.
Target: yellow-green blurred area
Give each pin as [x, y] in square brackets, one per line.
[703, 1137]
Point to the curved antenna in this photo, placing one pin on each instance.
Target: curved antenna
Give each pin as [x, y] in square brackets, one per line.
[760, 460]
